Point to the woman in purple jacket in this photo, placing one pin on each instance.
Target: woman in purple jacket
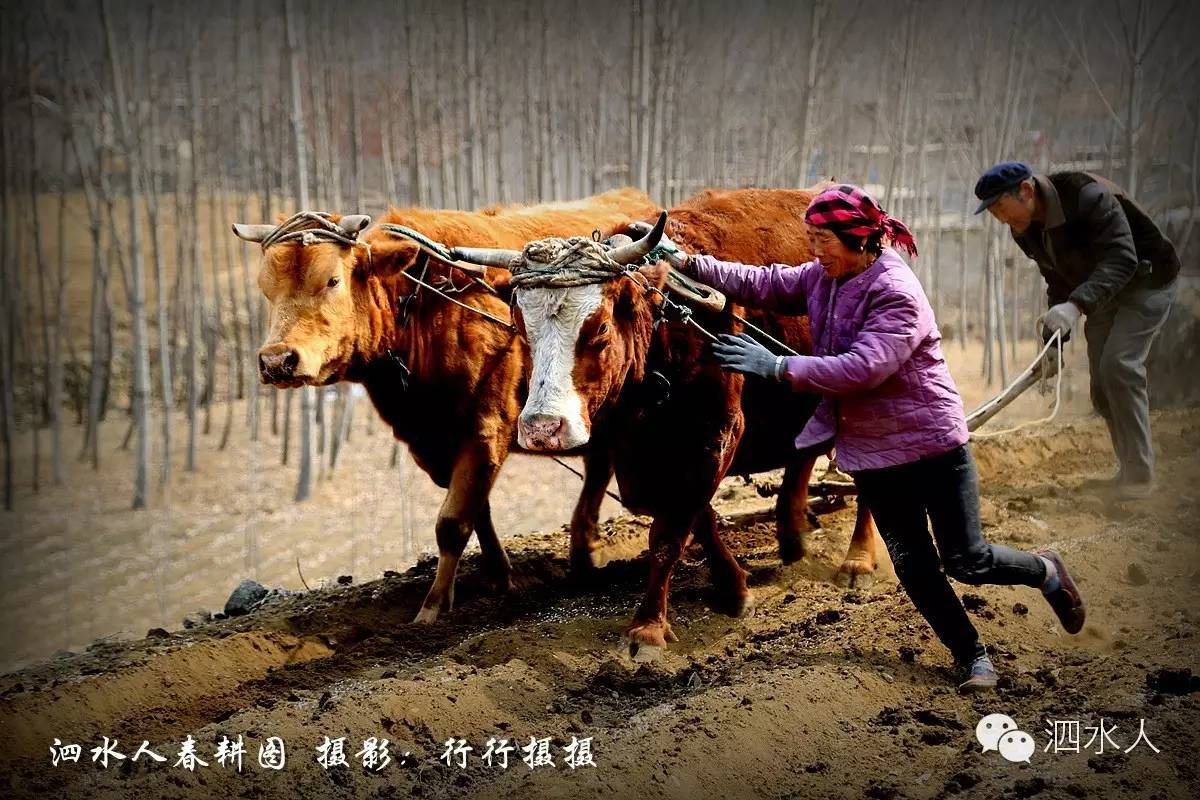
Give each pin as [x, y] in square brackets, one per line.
[891, 409]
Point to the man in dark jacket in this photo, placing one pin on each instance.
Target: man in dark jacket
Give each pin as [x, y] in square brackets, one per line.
[1102, 257]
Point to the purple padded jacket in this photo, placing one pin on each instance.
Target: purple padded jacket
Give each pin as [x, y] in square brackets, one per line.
[887, 397]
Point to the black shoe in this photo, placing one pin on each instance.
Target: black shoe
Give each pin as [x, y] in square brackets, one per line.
[1065, 600]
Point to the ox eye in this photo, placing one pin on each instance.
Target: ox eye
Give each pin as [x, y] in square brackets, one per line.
[601, 337]
[332, 282]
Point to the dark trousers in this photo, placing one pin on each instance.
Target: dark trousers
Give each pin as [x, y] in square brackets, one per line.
[944, 488]
[1119, 336]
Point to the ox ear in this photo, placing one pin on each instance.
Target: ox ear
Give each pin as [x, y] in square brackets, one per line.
[353, 223]
[252, 233]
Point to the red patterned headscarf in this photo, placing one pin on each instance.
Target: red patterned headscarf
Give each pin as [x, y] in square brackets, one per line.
[848, 210]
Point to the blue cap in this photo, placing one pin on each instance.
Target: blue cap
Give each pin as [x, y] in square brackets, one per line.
[998, 180]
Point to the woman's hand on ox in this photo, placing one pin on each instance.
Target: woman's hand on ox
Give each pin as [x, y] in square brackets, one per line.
[742, 353]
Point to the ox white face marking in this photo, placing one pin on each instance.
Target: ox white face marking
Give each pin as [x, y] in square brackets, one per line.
[552, 418]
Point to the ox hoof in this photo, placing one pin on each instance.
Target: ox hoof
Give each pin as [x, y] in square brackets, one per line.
[426, 616]
[738, 605]
[645, 653]
[500, 585]
[647, 642]
[856, 573]
[791, 547]
[584, 562]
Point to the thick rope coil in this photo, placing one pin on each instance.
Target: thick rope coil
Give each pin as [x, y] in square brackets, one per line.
[559, 262]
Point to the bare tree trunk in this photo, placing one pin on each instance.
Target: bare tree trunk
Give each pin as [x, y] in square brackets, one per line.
[9, 305]
[196, 302]
[291, 22]
[901, 145]
[936, 230]
[474, 128]
[817, 11]
[137, 289]
[418, 180]
[644, 57]
[962, 274]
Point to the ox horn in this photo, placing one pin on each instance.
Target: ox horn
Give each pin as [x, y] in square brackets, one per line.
[252, 233]
[627, 254]
[485, 256]
[353, 223]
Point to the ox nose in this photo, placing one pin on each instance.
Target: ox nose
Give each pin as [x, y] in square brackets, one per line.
[543, 431]
[279, 365]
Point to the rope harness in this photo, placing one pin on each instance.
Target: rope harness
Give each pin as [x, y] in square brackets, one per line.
[429, 247]
[309, 227]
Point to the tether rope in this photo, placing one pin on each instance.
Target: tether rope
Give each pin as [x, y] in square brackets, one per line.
[1055, 341]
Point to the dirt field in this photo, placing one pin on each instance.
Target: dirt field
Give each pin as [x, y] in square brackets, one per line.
[77, 564]
[824, 692]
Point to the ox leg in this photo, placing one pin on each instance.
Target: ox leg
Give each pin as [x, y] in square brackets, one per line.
[597, 473]
[731, 594]
[858, 568]
[651, 631]
[793, 519]
[470, 484]
[495, 560]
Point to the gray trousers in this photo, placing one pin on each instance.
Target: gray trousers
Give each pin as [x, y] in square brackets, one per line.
[1119, 336]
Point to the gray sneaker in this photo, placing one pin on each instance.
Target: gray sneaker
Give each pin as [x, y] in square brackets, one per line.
[981, 676]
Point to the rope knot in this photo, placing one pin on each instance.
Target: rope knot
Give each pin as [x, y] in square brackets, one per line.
[562, 262]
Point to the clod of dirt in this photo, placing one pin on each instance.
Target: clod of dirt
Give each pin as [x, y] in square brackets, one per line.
[891, 717]
[1107, 763]
[1020, 608]
[927, 716]
[197, 618]
[1173, 681]
[935, 737]
[345, 580]
[244, 598]
[1136, 575]
[1028, 787]
[973, 602]
[961, 781]
[828, 616]
[157, 633]
[881, 791]
[613, 676]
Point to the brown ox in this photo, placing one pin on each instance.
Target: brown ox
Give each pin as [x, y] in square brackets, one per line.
[450, 382]
[595, 350]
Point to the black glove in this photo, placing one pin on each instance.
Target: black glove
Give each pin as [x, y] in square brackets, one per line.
[742, 353]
